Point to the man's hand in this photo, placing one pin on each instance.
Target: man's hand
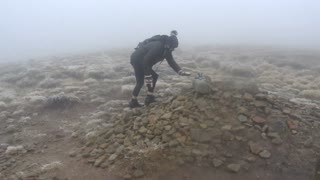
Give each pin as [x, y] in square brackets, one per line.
[183, 73]
[148, 80]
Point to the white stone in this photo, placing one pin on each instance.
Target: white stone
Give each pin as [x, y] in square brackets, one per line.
[12, 150]
[51, 166]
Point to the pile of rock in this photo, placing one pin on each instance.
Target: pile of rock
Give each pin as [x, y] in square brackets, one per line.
[230, 129]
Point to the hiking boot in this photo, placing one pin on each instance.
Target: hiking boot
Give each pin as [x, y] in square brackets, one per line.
[149, 99]
[134, 104]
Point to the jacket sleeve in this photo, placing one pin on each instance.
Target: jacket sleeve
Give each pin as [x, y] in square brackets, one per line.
[148, 59]
[172, 63]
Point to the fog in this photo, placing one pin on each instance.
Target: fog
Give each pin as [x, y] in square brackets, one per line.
[36, 28]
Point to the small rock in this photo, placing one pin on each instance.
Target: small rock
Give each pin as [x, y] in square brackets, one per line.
[258, 120]
[72, 154]
[308, 143]
[104, 146]
[143, 130]
[12, 150]
[173, 143]
[217, 162]
[277, 141]
[260, 104]
[74, 135]
[51, 166]
[197, 152]
[113, 157]
[127, 177]
[136, 126]
[255, 148]
[242, 118]
[265, 128]
[152, 119]
[286, 111]
[227, 136]
[180, 162]
[105, 164]
[251, 159]
[181, 98]
[203, 126]
[234, 167]
[210, 123]
[279, 126]
[100, 160]
[227, 127]
[119, 149]
[239, 138]
[138, 164]
[248, 97]
[138, 173]
[183, 121]
[265, 154]
[119, 130]
[85, 155]
[293, 125]
[166, 116]
[165, 138]
[273, 135]
[91, 136]
[167, 127]
[200, 135]
[182, 139]
[264, 135]
[59, 136]
[242, 110]
[228, 155]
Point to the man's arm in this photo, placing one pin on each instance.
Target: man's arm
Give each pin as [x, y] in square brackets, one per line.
[175, 66]
[173, 63]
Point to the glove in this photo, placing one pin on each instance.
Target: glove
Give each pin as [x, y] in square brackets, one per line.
[183, 73]
[148, 80]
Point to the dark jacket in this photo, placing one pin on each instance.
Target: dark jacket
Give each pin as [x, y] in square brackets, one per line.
[152, 53]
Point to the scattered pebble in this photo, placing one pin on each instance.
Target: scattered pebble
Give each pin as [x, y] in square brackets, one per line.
[72, 154]
[258, 120]
[242, 118]
[138, 173]
[234, 167]
[255, 148]
[217, 162]
[265, 154]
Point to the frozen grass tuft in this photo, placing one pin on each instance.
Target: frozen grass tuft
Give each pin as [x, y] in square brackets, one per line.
[240, 70]
[50, 83]
[27, 82]
[311, 94]
[62, 100]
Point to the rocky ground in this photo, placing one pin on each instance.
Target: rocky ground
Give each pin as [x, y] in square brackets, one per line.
[254, 115]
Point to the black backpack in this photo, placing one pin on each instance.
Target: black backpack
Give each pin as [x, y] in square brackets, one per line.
[162, 38]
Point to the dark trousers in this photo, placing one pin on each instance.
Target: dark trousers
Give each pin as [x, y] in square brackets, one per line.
[139, 73]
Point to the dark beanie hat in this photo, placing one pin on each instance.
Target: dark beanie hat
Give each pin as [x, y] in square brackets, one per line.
[174, 32]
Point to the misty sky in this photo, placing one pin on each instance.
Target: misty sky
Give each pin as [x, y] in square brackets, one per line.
[31, 28]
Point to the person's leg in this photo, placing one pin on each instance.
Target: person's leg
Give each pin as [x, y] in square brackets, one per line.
[139, 74]
[150, 97]
[139, 80]
[154, 80]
